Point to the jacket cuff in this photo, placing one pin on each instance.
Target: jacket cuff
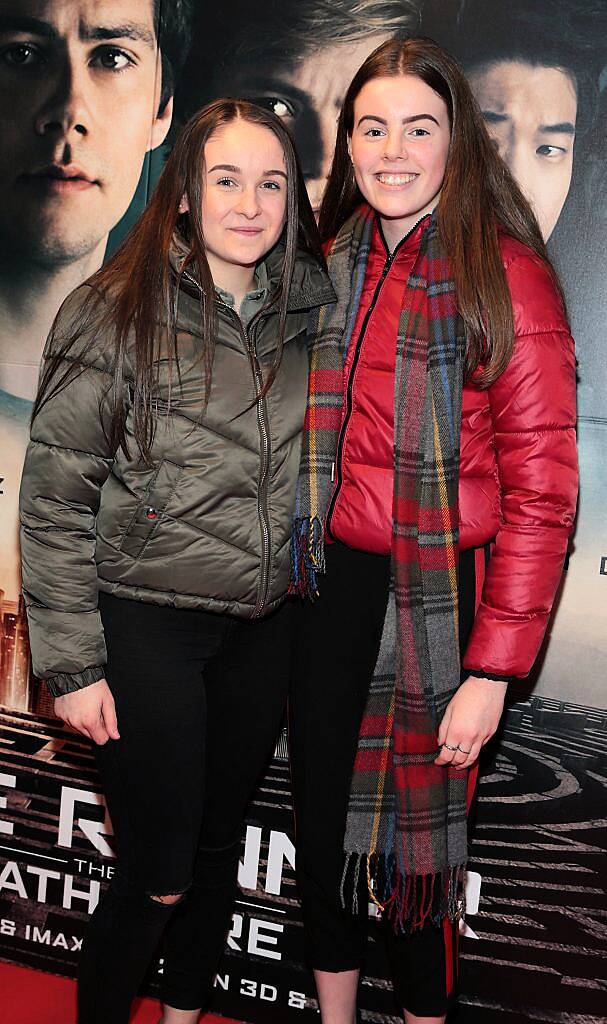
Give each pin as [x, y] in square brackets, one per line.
[66, 682]
[480, 674]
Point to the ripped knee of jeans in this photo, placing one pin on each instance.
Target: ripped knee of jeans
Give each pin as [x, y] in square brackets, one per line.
[168, 899]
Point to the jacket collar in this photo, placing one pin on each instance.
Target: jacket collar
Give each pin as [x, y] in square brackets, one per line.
[310, 286]
[408, 244]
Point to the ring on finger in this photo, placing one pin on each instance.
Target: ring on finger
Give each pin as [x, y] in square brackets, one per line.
[447, 747]
[461, 749]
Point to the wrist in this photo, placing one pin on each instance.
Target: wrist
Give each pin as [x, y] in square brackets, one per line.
[490, 677]
[495, 685]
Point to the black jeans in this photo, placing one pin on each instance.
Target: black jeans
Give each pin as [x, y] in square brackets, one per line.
[336, 647]
[199, 699]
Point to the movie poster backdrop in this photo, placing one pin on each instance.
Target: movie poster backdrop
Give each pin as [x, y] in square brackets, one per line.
[534, 944]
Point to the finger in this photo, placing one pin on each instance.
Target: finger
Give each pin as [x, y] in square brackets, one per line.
[464, 746]
[99, 736]
[446, 754]
[472, 757]
[97, 731]
[108, 711]
[444, 727]
[460, 756]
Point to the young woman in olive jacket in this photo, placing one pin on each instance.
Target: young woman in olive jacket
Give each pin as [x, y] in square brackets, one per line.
[156, 507]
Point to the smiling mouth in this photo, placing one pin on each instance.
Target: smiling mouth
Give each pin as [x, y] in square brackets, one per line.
[395, 179]
[247, 231]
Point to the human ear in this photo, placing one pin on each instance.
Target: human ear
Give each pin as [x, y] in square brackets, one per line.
[161, 125]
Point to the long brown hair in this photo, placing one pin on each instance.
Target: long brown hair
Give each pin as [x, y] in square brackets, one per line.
[479, 196]
[135, 292]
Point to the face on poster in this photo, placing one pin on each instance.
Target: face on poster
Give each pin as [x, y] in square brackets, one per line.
[80, 105]
[79, 85]
[531, 112]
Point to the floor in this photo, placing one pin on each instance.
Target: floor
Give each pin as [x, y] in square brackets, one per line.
[32, 997]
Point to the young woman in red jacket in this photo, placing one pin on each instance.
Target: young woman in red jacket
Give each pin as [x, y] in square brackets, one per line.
[437, 494]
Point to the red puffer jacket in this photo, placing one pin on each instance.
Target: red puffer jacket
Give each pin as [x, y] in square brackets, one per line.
[518, 470]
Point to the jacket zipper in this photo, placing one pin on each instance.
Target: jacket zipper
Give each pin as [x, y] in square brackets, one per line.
[263, 479]
[337, 469]
[263, 424]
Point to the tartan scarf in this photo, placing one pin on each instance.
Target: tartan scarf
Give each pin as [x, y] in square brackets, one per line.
[406, 824]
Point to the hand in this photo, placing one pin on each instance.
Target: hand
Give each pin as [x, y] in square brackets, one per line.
[471, 718]
[90, 711]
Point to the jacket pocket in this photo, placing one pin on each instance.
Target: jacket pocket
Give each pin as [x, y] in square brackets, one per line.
[151, 508]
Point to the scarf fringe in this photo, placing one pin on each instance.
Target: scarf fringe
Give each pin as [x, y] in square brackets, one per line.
[307, 556]
[408, 901]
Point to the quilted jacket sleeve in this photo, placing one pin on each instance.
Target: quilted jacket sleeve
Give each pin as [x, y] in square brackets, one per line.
[67, 462]
[533, 411]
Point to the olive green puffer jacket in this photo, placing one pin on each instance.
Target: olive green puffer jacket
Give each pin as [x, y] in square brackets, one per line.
[208, 525]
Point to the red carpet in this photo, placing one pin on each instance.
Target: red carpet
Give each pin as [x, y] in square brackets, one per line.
[31, 997]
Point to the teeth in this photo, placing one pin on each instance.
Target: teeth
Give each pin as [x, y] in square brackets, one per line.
[396, 179]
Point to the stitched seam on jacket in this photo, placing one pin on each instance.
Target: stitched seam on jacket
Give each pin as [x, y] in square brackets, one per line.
[197, 529]
[506, 524]
[536, 430]
[91, 366]
[116, 584]
[207, 533]
[55, 529]
[518, 616]
[541, 331]
[196, 425]
[79, 451]
[85, 366]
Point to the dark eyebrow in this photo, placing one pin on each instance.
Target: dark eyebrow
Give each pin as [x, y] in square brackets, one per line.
[224, 167]
[237, 170]
[406, 120]
[129, 30]
[250, 82]
[21, 23]
[491, 117]
[563, 128]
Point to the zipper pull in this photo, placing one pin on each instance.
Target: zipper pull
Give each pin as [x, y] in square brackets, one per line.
[332, 472]
[386, 268]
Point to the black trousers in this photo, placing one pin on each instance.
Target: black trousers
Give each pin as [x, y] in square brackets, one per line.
[199, 699]
[336, 647]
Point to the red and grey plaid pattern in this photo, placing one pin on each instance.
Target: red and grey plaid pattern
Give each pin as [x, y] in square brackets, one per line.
[330, 331]
[406, 822]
